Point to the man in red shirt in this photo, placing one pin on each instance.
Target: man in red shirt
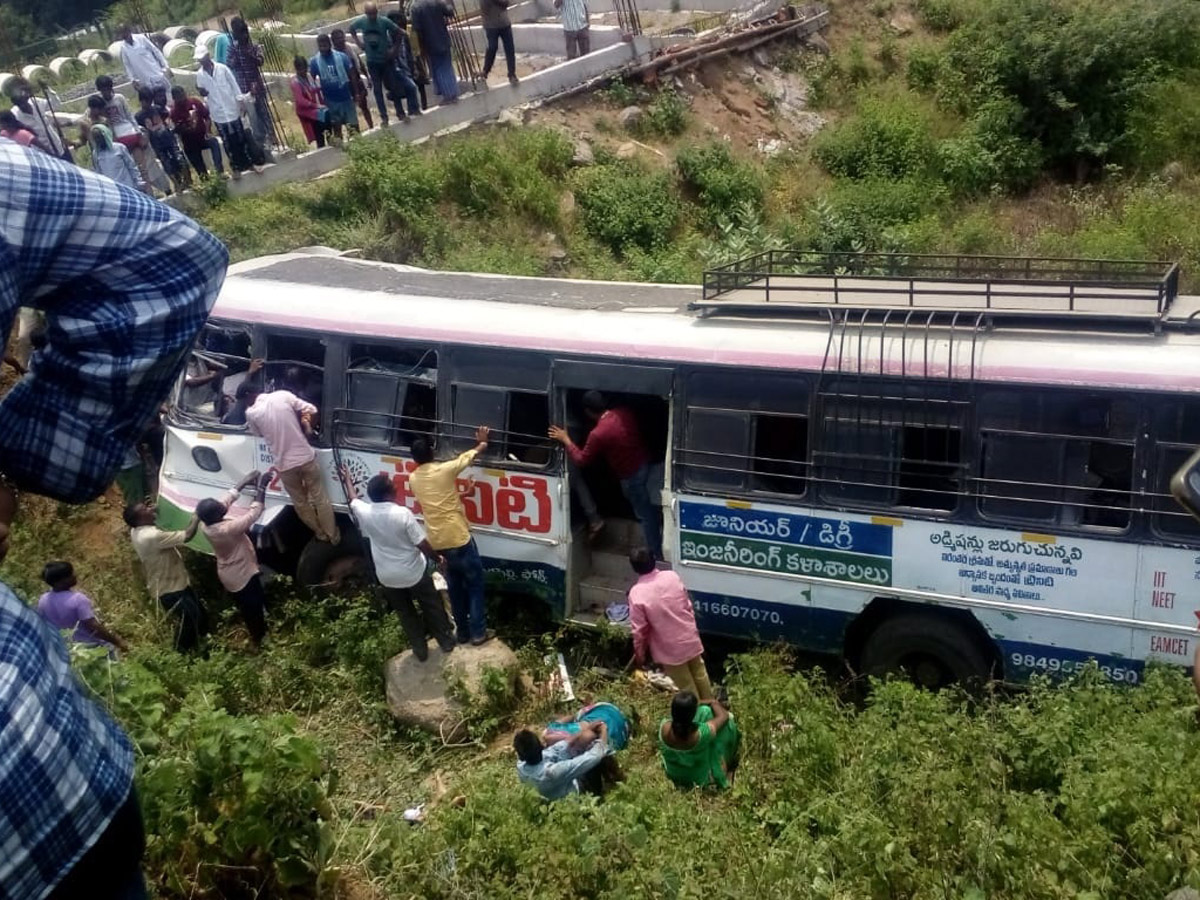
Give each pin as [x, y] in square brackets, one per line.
[615, 438]
[193, 126]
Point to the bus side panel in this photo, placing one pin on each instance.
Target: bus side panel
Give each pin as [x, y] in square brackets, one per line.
[517, 518]
[183, 482]
[1041, 596]
[1167, 582]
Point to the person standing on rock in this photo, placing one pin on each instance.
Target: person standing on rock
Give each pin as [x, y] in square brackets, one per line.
[436, 489]
[497, 27]
[284, 421]
[399, 549]
[575, 26]
[429, 18]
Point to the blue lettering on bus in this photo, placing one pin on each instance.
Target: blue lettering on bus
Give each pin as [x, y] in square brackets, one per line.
[800, 625]
[787, 528]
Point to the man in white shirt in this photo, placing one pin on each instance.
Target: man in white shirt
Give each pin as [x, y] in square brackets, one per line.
[38, 116]
[144, 63]
[399, 549]
[226, 103]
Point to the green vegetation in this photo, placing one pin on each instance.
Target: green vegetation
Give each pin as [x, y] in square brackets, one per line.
[1059, 128]
[279, 774]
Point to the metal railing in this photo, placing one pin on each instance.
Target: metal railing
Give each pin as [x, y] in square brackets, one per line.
[993, 284]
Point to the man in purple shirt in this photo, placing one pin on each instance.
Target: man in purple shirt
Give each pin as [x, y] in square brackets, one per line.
[65, 608]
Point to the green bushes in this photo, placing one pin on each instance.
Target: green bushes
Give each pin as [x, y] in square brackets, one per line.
[625, 206]
[667, 115]
[518, 173]
[1078, 72]
[887, 139]
[234, 805]
[721, 183]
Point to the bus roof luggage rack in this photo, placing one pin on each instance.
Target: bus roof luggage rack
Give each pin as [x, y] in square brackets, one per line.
[802, 282]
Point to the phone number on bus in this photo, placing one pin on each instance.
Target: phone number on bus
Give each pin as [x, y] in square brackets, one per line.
[1055, 666]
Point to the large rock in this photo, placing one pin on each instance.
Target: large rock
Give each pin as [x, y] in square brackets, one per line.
[630, 117]
[583, 155]
[419, 693]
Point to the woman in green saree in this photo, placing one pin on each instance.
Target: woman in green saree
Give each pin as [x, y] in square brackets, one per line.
[698, 743]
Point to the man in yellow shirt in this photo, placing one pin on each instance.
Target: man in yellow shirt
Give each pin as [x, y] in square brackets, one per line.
[436, 489]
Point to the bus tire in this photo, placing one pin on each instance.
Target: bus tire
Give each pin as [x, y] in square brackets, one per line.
[931, 650]
[323, 566]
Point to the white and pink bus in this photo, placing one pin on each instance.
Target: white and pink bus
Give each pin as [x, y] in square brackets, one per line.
[954, 466]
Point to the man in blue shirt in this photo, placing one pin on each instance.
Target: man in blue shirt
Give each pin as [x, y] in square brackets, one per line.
[334, 70]
[126, 284]
[553, 770]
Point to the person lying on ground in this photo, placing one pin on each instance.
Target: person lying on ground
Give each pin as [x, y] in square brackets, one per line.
[581, 730]
[698, 744]
[67, 609]
[552, 770]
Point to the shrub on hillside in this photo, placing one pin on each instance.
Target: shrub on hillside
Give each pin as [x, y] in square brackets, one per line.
[234, 806]
[388, 176]
[723, 184]
[666, 116]
[518, 173]
[887, 139]
[623, 205]
[1077, 71]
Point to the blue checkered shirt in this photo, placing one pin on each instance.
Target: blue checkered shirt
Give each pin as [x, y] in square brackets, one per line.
[65, 767]
[126, 283]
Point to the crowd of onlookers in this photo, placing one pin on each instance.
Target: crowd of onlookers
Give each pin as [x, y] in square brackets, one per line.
[158, 142]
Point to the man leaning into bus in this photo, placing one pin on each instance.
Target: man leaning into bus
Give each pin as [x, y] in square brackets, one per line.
[284, 421]
[436, 489]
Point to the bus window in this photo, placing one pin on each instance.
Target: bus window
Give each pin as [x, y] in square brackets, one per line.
[930, 467]
[391, 395]
[716, 445]
[296, 363]
[779, 454]
[518, 419]
[1021, 477]
[1171, 519]
[859, 461]
[1057, 458]
[216, 366]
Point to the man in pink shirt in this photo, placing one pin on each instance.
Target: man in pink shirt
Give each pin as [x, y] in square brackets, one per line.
[237, 565]
[660, 611]
[285, 422]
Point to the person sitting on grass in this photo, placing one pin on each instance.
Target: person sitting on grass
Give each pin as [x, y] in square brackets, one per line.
[698, 744]
[556, 771]
[65, 608]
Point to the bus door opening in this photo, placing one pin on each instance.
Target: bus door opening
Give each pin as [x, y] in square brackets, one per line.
[602, 514]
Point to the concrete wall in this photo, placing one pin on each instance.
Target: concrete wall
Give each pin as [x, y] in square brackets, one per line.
[547, 39]
[472, 107]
